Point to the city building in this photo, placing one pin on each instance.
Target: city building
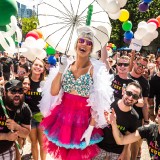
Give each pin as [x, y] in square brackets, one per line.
[23, 11]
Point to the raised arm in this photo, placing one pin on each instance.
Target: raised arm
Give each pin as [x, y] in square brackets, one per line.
[104, 56]
[119, 138]
[56, 83]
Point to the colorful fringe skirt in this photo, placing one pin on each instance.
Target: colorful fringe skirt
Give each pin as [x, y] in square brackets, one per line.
[64, 128]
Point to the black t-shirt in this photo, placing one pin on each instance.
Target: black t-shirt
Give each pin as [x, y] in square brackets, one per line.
[33, 96]
[117, 85]
[145, 92]
[126, 121]
[151, 134]
[155, 90]
[7, 62]
[21, 116]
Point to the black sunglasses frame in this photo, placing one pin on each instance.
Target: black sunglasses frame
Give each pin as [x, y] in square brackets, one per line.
[134, 96]
[141, 65]
[15, 91]
[124, 64]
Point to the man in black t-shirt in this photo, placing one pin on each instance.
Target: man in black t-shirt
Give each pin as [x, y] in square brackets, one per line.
[149, 132]
[127, 122]
[155, 91]
[121, 77]
[7, 66]
[22, 61]
[138, 68]
[18, 123]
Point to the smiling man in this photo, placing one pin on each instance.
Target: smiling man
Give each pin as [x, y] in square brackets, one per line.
[18, 121]
[139, 65]
[126, 120]
[121, 77]
[149, 132]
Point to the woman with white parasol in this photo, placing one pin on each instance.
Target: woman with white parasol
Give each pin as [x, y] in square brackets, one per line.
[84, 92]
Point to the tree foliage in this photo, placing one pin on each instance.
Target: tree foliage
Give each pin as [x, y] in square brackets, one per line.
[135, 17]
[29, 24]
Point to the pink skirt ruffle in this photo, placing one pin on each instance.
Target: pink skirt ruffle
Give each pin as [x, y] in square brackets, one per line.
[65, 126]
[61, 153]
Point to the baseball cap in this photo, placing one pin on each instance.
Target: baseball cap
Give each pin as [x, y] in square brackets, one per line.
[11, 84]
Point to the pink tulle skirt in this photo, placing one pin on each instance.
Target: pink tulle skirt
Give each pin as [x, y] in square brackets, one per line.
[64, 128]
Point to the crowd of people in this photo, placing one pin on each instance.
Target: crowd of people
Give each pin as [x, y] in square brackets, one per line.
[101, 108]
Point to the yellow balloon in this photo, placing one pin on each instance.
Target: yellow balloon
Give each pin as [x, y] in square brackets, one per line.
[124, 15]
[46, 45]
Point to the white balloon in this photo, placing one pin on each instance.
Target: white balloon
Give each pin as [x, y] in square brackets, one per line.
[30, 54]
[115, 15]
[141, 31]
[112, 6]
[30, 42]
[42, 54]
[122, 3]
[142, 23]
[145, 43]
[40, 43]
[11, 43]
[137, 35]
[102, 3]
[33, 52]
[148, 37]
[151, 27]
[19, 35]
[3, 42]
[155, 34]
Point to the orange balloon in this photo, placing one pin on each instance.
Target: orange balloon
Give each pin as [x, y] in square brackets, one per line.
[158, 19]
[39, 33]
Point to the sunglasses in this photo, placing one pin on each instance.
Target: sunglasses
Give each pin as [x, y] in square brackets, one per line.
[141, 65]
[134, 96]
[123, 64]
[19, 91]
[82, 40]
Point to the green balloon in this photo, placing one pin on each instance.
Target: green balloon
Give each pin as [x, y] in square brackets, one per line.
[127, 25]
[50, 50]
[7, 9]
[89, 12]
[90, 7]
[88, 23]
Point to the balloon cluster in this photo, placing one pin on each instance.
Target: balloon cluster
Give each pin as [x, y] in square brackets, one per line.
[113, 7]
[52, 60]
[6, 39]
[147, 31]
[89, 15]
[34, 45]
[50, 50]
[9, 30]
[144, 5]
[112, 46]
[126, 26]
